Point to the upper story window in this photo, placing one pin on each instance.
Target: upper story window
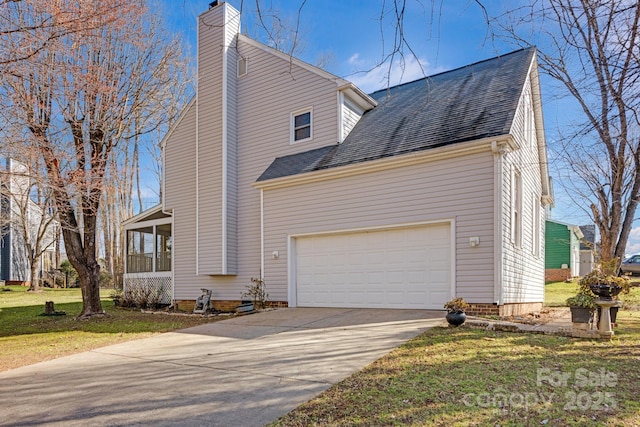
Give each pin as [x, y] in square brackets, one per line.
[536, 228]
[516, 208]
[302, 125]
[242, 66]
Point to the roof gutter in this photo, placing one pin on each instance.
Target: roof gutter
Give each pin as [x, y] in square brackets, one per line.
[448, 151]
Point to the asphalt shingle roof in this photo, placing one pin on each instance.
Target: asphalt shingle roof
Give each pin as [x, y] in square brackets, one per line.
[469, 103]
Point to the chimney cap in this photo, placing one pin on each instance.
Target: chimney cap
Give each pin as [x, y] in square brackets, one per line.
[213, 4]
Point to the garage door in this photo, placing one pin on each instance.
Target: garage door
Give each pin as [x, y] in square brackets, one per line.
[396, 268]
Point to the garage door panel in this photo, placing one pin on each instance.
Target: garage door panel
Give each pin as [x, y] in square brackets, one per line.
[398, 268]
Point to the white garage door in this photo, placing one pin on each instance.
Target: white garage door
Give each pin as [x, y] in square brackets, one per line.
[397, 268]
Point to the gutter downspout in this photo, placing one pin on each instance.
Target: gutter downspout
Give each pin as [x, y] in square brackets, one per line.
[262, 234]
[498, 251]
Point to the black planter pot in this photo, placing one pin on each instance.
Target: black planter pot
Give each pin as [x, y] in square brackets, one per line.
[581, 314]
[605, 292]
[613, 312]
[456, 318]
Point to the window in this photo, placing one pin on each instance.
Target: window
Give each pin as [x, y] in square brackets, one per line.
[528, 121]
[242, 66]
[301, 126]
[535, 250]
[516, 208]
[163, 247]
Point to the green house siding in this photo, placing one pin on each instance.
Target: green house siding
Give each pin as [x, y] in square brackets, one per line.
[557, 249]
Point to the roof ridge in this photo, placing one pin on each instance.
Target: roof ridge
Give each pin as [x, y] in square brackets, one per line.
[455, 69]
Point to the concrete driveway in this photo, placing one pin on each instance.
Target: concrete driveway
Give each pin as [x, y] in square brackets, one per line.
[245, 371]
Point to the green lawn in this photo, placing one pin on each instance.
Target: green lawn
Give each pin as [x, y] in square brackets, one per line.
[556, 293]
[27, 337]
[472, 377]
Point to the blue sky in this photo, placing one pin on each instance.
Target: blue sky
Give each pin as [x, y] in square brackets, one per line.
[348, 32]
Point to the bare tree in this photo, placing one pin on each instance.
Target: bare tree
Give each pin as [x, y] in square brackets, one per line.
[125, 190]
[30, 19]
[592, 48]
[77, 99]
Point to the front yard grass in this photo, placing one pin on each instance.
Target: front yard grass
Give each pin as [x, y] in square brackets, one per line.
[473, 377]
[26, 337]
[556, 293]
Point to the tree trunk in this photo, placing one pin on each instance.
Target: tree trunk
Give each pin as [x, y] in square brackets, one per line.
[35, 280]
[90, 285]
[49, 308]
[83, 259]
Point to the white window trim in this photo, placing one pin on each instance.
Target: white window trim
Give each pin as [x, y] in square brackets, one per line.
[516, 208]
[292, 125]
[528, 122]
[536, 228]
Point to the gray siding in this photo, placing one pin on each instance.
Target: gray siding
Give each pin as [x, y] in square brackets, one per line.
[459, 188]
[209, 154]
[523, 272]
[231, 209]
[272, 89]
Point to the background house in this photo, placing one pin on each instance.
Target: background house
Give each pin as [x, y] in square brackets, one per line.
[587, 248]
[562, 251]
[17, 212]
[404, 198]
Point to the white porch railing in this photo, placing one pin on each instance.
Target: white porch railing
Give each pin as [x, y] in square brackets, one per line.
[152, 288]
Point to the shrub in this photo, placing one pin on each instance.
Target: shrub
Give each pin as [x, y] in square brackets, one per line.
[456, 305]
[604, 274]
[582, 299]
[257, 292]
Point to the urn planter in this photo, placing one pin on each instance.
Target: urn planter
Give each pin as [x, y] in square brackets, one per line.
[456, 318]
[605, 291]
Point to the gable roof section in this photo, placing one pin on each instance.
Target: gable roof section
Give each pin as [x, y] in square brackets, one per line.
[466, 104]
[362, 99]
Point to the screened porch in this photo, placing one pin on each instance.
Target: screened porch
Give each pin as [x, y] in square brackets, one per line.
[148, 275]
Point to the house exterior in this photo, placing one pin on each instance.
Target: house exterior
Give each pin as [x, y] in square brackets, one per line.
[404, 198]
[587, 248]
[18, 211]
[562, 251]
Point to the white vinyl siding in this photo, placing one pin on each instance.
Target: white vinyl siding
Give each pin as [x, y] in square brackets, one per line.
[458, 189]
[350, 116]
[523, 272]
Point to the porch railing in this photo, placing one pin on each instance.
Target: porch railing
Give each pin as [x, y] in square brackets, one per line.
[140, 263]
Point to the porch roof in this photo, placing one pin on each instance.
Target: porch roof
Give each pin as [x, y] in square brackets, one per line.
[152, 214]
